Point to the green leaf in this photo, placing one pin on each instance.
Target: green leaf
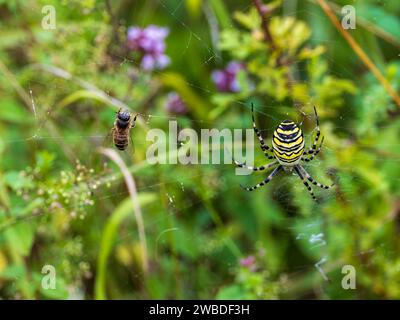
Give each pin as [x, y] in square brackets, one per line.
[4, 197]
[81, 94]
[250, 20]
[233, 292]
[17, 181]
[194, 102]
[13, 112]
[44, 160]
[381, 18]
[194, 7]
[221, 12]
[20, 238]
[108, 237]
[13, 272]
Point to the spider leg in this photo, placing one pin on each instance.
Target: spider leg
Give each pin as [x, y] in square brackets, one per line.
[263, 146]
[305, 183]
[318, 131]
[308, 176]
[265, 181]
[312, 152]
[261, 168]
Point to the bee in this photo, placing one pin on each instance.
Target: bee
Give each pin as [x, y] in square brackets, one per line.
[121, 130]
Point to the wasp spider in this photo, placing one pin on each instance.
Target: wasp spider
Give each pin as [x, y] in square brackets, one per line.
[288, 150]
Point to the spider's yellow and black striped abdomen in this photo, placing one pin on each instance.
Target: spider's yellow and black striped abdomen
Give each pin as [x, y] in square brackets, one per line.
[288, 143]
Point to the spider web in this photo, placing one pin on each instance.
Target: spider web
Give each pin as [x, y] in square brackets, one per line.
[311, 232]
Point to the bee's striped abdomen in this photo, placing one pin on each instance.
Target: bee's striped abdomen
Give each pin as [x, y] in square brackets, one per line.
[288, 143]
[121, 140]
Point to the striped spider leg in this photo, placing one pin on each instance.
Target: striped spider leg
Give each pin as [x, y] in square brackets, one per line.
[266, 149]
[304, 176]
[261, 168]
[313, 151]
[265, 181]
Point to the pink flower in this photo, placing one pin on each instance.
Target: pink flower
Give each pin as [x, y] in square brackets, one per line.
[150, 41]
[249, 262]
[226, 79]
[175, 104]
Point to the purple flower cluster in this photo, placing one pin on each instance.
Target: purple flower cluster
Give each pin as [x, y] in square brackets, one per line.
[150, 41]
[226, 79]
[175, 104]
[249, 263]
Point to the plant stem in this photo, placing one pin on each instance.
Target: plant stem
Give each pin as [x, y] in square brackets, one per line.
[130, 183]
[360, 52]
[263, 15]
[281, 61]
[376, 30]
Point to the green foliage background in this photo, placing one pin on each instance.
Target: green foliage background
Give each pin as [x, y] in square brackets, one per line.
[60, 206]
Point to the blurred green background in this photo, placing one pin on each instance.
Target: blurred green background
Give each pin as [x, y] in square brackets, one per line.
[64, 204]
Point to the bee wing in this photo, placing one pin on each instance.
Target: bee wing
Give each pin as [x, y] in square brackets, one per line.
[131, 145]
[108, 140]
